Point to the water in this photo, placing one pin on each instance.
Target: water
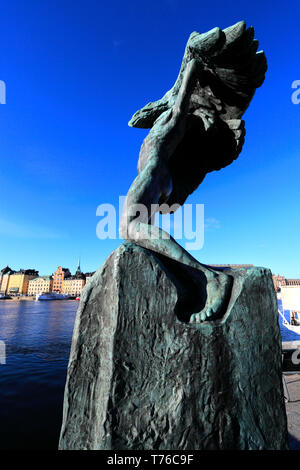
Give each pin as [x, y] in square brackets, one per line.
[38, 338]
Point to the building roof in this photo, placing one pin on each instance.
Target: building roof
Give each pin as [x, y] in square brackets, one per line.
[29, 272]
[46, 278]
[66, 270]
[6, 270]
[76, 276]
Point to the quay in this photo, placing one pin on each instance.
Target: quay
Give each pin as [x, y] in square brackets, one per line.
[293, 410]
[292, 381]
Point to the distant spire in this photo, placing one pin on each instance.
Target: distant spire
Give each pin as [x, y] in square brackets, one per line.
[79, 274]
[78, 270]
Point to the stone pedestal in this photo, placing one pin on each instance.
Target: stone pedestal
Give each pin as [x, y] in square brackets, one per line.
[141, 377]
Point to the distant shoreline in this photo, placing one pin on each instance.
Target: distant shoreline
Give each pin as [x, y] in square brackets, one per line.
[20, 299]
[16, 299]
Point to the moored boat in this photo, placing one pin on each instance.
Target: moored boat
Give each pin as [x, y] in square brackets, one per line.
[51, 296]
[293, 324]
[289, 307]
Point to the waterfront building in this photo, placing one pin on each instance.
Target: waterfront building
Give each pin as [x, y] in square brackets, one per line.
[58, 279]
[4, 279]
[281, 281]
[40, 284]
[19, 281]
[290, 297]
[89, 275]
[293, 282]
[73, 285]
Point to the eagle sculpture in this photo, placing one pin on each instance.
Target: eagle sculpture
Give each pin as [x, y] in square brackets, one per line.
[215, 132]
[195, 128]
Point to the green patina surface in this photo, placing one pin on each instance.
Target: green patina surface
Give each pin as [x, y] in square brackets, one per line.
[141, 377]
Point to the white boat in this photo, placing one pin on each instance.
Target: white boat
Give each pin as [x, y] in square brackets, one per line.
[290, 301]
[292, 327]
[51, 296]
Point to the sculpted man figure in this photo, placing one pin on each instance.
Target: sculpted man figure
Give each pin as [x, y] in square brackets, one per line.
[196, 128]
[140, 376]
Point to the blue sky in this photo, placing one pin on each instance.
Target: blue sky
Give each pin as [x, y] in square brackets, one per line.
[76, 71]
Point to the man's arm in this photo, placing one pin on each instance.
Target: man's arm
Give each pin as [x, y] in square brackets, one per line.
[193, 69]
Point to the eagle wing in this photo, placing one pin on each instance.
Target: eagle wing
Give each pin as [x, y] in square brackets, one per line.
[233, 69]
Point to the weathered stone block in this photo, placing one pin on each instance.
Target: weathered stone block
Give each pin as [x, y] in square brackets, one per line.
[141, 377]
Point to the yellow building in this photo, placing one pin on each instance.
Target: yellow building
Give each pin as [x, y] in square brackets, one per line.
[5, 273]
[19, 281]
[88, 276]
[39, 285]
[73, 286]
[4, 284]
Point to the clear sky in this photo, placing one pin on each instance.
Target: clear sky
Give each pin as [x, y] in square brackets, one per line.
[76, 71]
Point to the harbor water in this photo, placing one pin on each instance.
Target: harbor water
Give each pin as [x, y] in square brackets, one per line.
[37, 336]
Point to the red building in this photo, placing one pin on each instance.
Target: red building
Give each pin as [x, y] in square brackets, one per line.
[58, 279]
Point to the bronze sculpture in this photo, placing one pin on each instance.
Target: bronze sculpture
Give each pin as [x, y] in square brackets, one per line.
[140, 376]
[201, 114]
